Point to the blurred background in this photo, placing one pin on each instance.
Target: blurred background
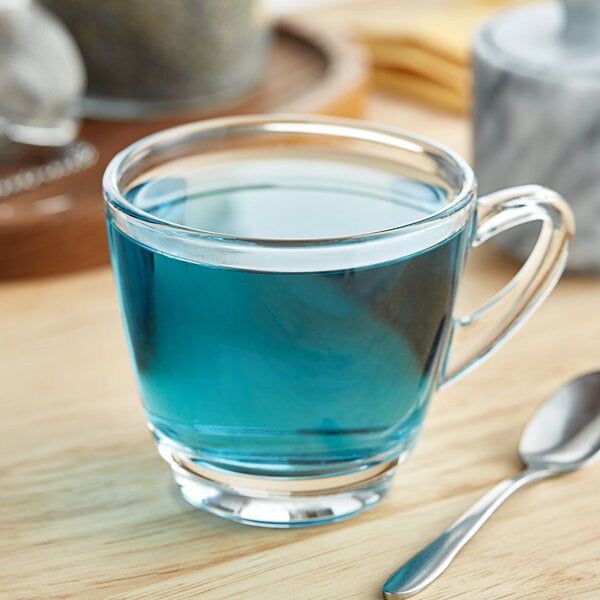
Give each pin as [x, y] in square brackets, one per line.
[81, 79]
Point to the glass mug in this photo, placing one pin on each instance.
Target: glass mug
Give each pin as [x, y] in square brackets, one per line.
[287, 287]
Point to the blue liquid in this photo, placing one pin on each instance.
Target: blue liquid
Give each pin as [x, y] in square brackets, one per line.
[279, 369]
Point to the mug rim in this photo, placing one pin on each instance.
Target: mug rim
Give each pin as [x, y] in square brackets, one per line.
[352, 129]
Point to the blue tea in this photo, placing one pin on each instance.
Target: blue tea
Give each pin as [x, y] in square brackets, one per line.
[278, 369]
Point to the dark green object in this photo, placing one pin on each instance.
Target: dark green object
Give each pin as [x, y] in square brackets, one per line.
[162, 56]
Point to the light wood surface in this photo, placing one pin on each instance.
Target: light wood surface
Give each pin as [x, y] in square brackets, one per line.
[89, 510]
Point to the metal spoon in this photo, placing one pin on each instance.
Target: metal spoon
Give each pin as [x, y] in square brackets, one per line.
[563, 435]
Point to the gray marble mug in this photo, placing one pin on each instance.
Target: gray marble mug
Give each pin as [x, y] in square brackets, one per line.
[537, 114]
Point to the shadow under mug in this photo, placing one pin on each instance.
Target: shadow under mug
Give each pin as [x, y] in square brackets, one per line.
[287, 287]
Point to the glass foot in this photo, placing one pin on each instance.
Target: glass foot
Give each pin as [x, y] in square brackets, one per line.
[281, 501]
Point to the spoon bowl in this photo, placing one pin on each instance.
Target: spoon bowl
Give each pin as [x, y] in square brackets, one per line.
[564, 432]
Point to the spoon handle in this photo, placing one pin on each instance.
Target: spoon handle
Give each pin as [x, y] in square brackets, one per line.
[425, 566]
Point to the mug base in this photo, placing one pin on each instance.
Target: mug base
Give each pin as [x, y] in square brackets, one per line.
[280, 502]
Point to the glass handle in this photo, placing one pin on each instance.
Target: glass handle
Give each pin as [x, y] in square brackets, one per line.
[477, 334]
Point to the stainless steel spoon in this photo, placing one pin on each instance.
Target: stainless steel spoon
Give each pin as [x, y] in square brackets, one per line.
[563, 435]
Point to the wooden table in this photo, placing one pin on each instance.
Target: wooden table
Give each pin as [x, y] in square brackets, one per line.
[89, 510]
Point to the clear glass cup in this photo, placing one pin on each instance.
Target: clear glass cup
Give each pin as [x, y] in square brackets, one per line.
[287, 286]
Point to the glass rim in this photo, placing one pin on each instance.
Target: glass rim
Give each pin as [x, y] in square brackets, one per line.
[351, 129]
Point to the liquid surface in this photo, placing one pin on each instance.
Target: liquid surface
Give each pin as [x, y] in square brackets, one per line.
[292, 196]
[281, 369]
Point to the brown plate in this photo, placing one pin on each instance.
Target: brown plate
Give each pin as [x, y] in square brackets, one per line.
[59, 227]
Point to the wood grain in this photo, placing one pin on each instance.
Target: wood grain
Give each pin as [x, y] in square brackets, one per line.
[89, 510]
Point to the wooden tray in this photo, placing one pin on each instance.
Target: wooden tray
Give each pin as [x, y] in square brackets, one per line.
[59, 227]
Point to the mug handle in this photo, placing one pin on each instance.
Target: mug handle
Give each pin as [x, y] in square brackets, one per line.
[478, 333]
